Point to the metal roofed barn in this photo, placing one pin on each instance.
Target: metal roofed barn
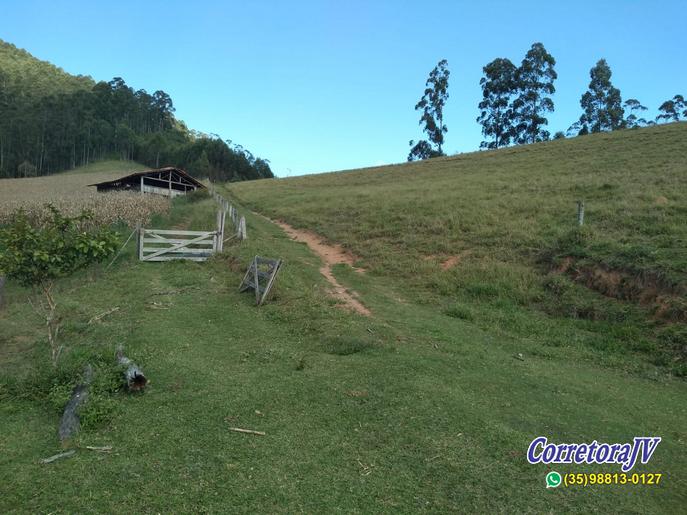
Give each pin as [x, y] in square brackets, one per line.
[169, 182]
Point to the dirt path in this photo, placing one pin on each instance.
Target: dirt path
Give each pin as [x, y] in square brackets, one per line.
[331, 255]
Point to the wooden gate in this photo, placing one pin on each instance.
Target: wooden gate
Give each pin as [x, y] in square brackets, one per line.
[168, 244]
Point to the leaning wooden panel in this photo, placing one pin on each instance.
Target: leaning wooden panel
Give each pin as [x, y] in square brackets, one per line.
[260, 269]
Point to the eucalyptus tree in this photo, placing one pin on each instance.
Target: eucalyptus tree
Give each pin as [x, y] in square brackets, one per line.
[632, 120]
[601, 104]
[432, 107]
[673, 110]
[534, 80]
[496, 112]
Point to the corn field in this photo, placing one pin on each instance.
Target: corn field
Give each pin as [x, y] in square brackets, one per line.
[71, 194]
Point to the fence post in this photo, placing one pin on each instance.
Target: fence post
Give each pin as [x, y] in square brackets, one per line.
[580, 212]
[218, 237]
[141, 233]
[220, 230]
[242, 229]
[2, 288]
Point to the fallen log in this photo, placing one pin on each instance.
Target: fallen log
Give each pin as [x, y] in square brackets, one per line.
[106, 448]
[59, 456]
[247, 431]
[70, 423]
[133, 375]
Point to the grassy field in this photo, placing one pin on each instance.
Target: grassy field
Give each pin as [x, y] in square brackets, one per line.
[507, 221]
[427, 405]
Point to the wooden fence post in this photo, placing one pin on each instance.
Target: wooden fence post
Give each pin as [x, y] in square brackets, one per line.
[141, 233]
[220, 230]
[138, 239]
[218, 238]
[2, 288]
[580, 212]
[242, 229]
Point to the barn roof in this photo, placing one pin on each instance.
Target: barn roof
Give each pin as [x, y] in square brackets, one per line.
[156, 170]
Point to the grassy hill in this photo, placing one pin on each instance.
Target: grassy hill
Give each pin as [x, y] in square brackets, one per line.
[428, 404]
[508, 221]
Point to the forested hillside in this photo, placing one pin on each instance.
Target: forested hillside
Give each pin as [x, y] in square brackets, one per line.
[52, 121]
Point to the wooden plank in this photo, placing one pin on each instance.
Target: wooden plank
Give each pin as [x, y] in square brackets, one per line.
[257, 282]
[174, 240]
[153, 251]
[264, 275]
[251, 284]
[244, 286]
[172, 258]
[267, 261]
[182, 233]
[270, 282]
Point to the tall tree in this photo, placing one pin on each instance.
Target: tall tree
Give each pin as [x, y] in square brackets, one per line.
[432, 106]
[534, 80]
[496, 113]
[632, 121]
[52, 121]
[673, 110]
[601, 105]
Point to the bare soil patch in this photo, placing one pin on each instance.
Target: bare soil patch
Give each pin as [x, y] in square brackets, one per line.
[451, 261]
[447, 262]
[647, 289]
[331, 255]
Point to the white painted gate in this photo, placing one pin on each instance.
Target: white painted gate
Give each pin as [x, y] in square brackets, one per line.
[169, 244]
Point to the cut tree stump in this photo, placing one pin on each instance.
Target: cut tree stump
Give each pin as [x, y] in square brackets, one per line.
[70, 423]
[133, 375]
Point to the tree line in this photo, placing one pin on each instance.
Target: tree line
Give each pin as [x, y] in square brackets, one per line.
[517, 99]
[51, 121]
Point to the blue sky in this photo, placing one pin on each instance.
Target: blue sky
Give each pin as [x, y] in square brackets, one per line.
[327, 85]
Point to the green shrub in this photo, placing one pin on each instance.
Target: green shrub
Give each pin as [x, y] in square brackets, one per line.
[37, 256]
[197, 195]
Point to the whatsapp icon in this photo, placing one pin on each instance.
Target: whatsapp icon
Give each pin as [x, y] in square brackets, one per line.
[553, 479]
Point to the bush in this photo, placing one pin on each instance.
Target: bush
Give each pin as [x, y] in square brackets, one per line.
[198, 195]
[38, 256]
